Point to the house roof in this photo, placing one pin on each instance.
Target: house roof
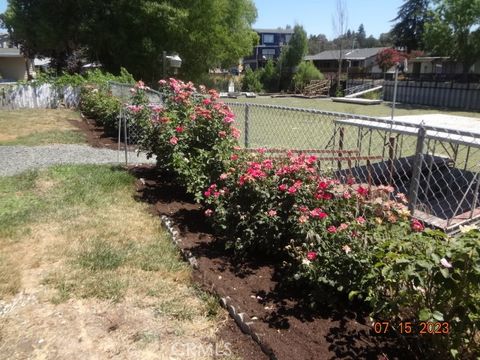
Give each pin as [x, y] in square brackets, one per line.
[430, 59]
[10, 52]
[274, 31]
[356, 54]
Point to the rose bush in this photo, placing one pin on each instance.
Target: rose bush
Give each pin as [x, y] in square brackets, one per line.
[96, 99]
[331, 236]
[191, 135]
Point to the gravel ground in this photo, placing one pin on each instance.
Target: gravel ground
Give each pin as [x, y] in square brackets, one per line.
[16, 159]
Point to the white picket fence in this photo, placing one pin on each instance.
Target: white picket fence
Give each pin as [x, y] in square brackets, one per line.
[45, 96]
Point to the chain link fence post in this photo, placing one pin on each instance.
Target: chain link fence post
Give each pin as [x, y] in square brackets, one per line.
[247, 124]
[417, 169]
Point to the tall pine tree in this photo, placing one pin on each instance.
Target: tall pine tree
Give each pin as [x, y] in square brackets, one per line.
[410, 24]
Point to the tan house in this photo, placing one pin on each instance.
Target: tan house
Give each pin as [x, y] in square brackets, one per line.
[13, 65]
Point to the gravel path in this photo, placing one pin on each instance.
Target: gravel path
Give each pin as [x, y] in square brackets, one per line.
[16, 159]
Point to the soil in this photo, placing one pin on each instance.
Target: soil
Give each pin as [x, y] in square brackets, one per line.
[95, 134]
[290, 329]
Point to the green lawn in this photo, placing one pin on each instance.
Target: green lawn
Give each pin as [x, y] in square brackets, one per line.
[290, 129]
[383, 109]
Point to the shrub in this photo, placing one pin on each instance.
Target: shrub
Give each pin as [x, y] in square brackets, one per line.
[100, 105]
[305, 73]
[431, 278]
[220, 82]
[268, 201]
[251, 81]
[270, 77]
[192, 136]
[96, 99]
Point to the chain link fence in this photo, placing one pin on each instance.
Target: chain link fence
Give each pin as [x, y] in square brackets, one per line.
[432, 159]
[129, 132]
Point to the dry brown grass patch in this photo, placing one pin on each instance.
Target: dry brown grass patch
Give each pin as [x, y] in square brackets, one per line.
[20, 123]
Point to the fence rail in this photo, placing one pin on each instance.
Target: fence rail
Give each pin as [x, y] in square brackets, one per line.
[437, 168]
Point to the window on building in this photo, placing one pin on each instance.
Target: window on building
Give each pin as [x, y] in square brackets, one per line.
[268, 38]
[355, 63]
[287, 38]
[268, 53]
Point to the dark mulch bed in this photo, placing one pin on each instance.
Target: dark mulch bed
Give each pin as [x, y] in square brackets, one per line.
[292, 330]
[95, 134]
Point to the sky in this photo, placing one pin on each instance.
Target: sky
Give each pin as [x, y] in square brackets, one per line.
[316, 15]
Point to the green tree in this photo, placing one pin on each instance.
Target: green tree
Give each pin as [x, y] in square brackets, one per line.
[134, 34]
[292, 55]
[410, 24]
[361, 36]
[385, 39]
[45, 27]
[317, 44]
[306, 72]
[454, 31]
[270, 77]
[251, 80]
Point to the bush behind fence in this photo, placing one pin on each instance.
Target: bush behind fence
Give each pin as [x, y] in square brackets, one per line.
[437, 168]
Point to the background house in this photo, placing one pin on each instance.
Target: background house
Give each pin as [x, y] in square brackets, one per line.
[361, 61]
[270, 45]
[13, 65]
[440, 68]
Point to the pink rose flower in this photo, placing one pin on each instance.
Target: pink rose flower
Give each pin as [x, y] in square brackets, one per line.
[179, 129]
[361, 191]
[318, 213]
[311, 255]
[347, 249]
[208, 212]
[222, 134]
[235, 132]
[332, 229]
[361, 220]
[223, 176]
[283, 187]
[228, 119]
[303, 219]
[272, 213]
[173, 140]
[292, 189]
[347, 195]
[417, 226]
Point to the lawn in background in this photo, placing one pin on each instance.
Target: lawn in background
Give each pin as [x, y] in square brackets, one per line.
[292, 129]
[383, 109]
[33, 127]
